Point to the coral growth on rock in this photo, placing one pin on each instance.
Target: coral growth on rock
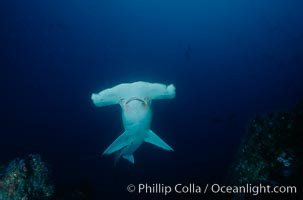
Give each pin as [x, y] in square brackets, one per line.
[271, 152]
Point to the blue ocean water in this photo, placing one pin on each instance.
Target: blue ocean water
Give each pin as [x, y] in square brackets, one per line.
[229, 61]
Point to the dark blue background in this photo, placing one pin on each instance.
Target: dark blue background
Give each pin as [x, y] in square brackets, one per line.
[229, 60]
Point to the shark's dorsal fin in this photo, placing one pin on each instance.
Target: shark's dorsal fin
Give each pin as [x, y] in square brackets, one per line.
[119, 143]
[157, 141]
[130, 158]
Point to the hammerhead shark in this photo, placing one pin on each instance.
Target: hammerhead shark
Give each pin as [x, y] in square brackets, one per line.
[135, 100]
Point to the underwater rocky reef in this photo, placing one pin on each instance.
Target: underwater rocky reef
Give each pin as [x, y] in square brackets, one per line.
[29, 178]
[271, 153]
[26, 179]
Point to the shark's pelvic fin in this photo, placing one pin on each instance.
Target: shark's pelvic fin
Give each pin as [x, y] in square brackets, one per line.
[119, 143]
[157, 141]
[130, 158]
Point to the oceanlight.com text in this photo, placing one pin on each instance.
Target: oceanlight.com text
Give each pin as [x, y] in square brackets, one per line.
[253, 189]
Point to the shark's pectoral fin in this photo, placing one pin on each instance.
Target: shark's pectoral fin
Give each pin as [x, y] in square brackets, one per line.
[156, 140]
[130, 158]
[119, 143]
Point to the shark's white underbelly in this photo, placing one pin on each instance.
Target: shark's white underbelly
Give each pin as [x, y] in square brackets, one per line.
[136, 116]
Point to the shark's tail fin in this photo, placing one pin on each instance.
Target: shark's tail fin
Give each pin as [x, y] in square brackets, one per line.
[121, 142]
[157, 141]
[128, 157]
[117, 147]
